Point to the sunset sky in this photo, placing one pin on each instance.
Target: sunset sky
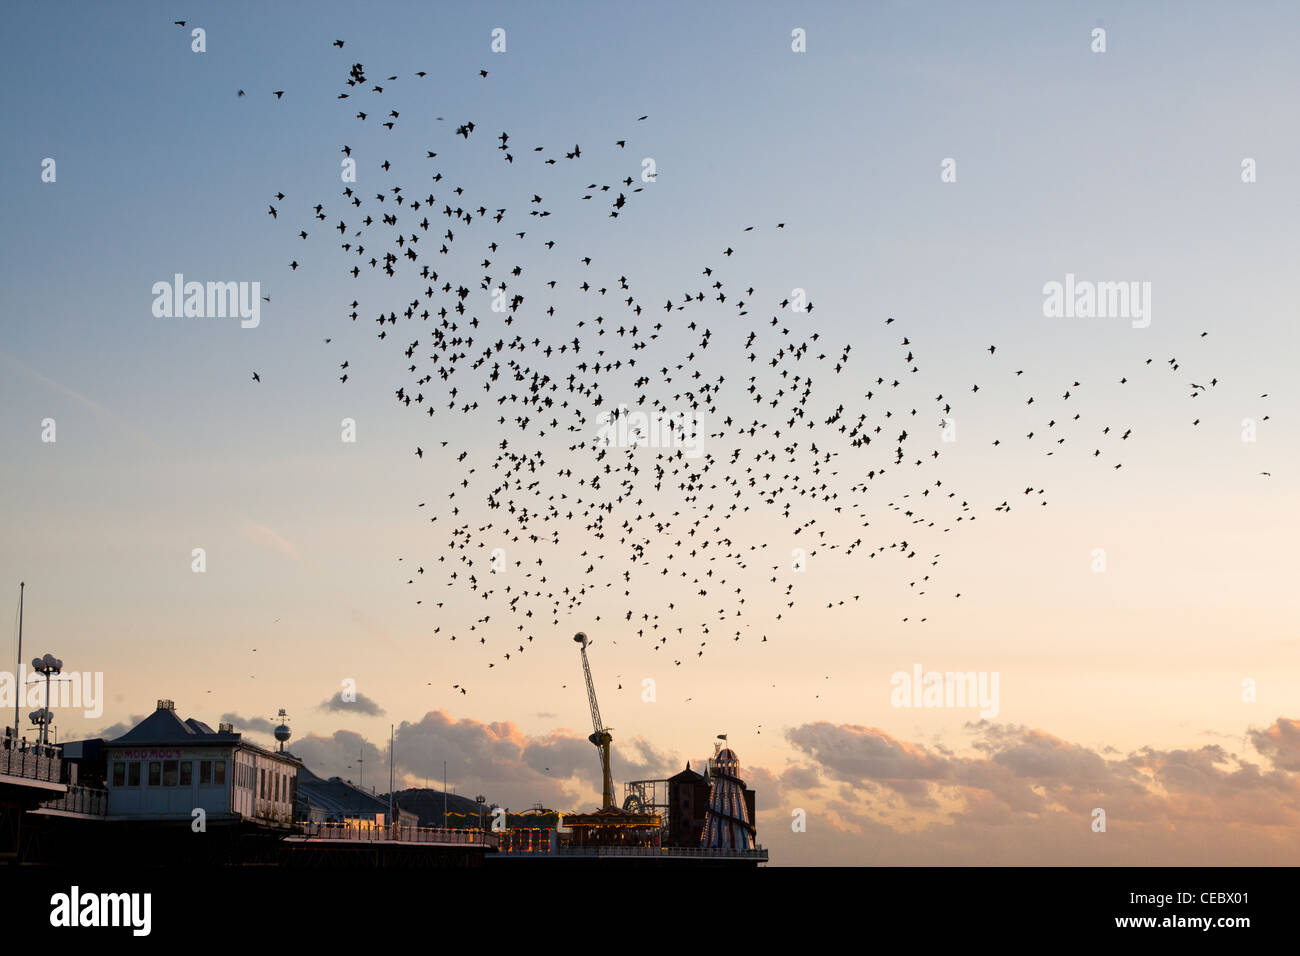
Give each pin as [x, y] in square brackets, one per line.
[1119, 689]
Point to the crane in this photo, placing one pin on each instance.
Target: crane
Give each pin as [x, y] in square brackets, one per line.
[602, 736]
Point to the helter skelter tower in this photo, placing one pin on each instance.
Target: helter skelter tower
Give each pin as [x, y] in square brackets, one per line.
[727, 825]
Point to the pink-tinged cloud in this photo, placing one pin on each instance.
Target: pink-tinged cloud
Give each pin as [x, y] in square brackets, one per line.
[1280, 743]
[560, 769]
[1021, 796]
[1012, 796]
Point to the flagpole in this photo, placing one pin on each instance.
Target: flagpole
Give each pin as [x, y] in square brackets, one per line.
[19, 668]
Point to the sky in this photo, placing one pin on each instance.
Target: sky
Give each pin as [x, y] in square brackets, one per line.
[1120, 689]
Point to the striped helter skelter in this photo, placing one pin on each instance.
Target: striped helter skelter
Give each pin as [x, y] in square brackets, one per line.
[727, 825]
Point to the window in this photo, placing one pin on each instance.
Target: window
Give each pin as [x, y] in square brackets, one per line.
[219, 773]
[261, 776]
[119, 774]
[133, 773]
[205, 772]
[187, 773]
[171, 769]
[277, 788]
[155, 773]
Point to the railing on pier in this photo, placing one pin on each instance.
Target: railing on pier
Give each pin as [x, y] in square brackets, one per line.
[544, 848]
[31, 761]
[364, 832]
[759, 854]
[87, 801]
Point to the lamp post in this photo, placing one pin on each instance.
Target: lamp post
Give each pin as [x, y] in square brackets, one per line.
[41, 718]
[49, 665]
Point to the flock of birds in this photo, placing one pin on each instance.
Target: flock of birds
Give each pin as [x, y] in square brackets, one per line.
[507, 399]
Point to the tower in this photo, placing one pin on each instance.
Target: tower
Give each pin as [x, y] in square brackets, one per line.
[728, 824]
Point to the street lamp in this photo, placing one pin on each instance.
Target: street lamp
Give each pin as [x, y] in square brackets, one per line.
[49, 665]
[42, 719]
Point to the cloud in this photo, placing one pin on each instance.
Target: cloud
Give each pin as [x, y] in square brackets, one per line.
[560, 769]
[859, 755]
[1010, 795]
[1022, 796]
[800, 777]
[262, 535]
[344, 754]
[1280, 743]
[637, 759]
[114, 731]
[257, 725]
[362, 705]
[496, 759]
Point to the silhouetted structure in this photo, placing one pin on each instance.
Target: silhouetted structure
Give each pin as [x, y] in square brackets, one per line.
[688, 801]
[688, 797]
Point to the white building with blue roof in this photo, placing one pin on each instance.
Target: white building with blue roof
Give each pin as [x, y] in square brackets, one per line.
[165, 768]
